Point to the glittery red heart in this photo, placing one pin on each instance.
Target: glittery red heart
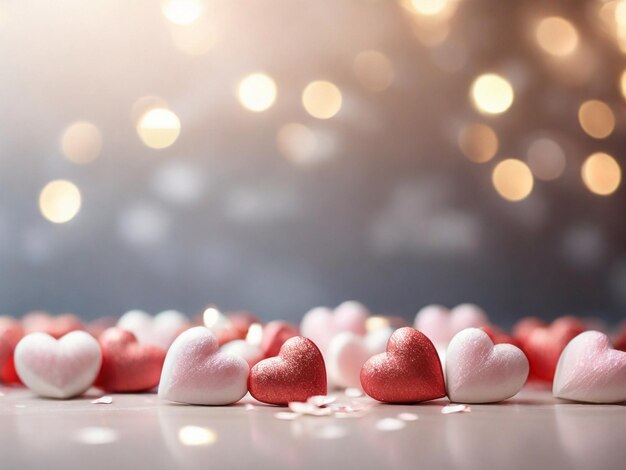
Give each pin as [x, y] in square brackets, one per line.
[128, 366]
[10, 333]
[297, 373]
[410, 370]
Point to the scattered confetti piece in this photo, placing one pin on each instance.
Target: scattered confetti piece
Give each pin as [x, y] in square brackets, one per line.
[321, 400]
[449, 409]
[249, 407]
[390, 424]
[353, 392]
[105, 400]
[408, 417]
[286, 415]
[309, 409]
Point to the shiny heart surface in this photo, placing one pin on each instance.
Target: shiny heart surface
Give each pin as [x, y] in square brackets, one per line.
[477, 371]
[297, 373]
[441, 324]
[127, 365]
[589, 370]
[55, 326]
[10, 334]
[196, 372]
[61, 368]
[409, 371]
[160, 330]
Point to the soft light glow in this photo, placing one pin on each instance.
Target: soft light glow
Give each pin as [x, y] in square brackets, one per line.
[546, 159]
[478, 142]
[144, 104]
[321, 99]
[622, 84]
[255, 334]
[81, 142]
[596, 118]
[257, 92]
[195, 39]
[196, 436]
[429, 7]
[557, 36]
[213, 319]
[601, 174]
[492, 94]
[297, 143]
[512, 179]
[182, 12]
[374, 70]
[159, 128]
[376, 323]
[59, 201]
[95, 436]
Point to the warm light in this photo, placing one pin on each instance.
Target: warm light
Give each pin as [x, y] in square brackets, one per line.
[492, 94]
[144, 104]
[546, 159]
[196, 436]
[478, 142]
[321, 99]
[376, 323]
[81, 142]
[557, 36]
[257, 92]
[297, 143]
[429, 7]
[59, 201]
[182, 12]
[214, 319]
[159, 128]
[255, 334]
[596, 118]
[601, 174]
[374, 70]
[512, 179]
[622, 84]
[196, 39]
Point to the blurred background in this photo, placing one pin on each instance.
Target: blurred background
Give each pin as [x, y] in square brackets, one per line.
[281, 154]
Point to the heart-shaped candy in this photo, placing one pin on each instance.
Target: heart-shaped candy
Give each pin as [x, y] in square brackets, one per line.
[55, 326]
[589, 370]
[128, 366]
[479, 372]
[297, 373]
[408, 372]
[160, 330]
[196, 372]
[275, 333]
[440, 325]
[525, 326]
[10, 334]
[60, 368]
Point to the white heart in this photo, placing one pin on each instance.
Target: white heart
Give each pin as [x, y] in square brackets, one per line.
[160, 330]
[61, 368]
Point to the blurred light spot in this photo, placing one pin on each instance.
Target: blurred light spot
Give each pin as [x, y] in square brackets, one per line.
[596, 118]
[178, 183]
[255, 334]
[512, 179]
[376, 323]
[182, 12]
[321, 99]
[196, 39]
[145, 104]
[143, 225]
[583, 246]
[408, 416]
[59, 201]
[557, 36]
[429, 7]
[492, 94]
[601, 174]
[96, 436]
[159, 128]
[196, 436]
[390, 424]
[329, 431]
[81, 142]
[213, 319]
[546, 159]
[478, 142]
[622, 84]
[297, 143]
[374, 70]
[257, 92]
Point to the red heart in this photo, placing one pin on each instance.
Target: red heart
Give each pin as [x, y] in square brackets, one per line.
[499, 336]
[297, 373]
[10, 333]
[128, 366]
[544, 344]
[410, 370]
[524, 327]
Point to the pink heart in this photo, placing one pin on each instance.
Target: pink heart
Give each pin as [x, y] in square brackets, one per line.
[589, 370]
[196, 372]
[477, 371]
[160, 330]
[441, 324]
[61, 368]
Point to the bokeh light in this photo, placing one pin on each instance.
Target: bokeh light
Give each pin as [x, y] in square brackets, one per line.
[478, 142]
[622, 84]
[182, 12]
[596, 118]
[144, 104]
[81, 142]
[195, 39]
[159, 128]
[546, 159]
[512, 179]
[321, 99]
[557, 36]
[374, 70]
[59, 201]
[297, 143]
[601, 174]
[196, 436]
[257, 92]
[492, 94]
[429, 7]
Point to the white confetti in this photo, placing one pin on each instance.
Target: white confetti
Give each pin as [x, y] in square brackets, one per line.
[408, 417]
[286, 415]
[321, 400]
[353, 392]
[309, 409]
[105, 400]
[449, 409]
[390, 424]
[249, 407]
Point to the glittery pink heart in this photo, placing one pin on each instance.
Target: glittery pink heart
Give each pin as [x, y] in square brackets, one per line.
[589, 370]
[441, 324]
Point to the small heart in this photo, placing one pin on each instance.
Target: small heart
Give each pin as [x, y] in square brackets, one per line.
[410, 370]
[297, 373]
[60, 368]
[525, 326]
[10, 334]
[55, 326]
[275, 333]
[160, 330]
[127, 365]
[499, 336]
[589, 370]
[479, 372]
[441, 324]
[196, 372]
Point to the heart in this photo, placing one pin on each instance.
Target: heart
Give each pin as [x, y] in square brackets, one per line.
[160, 330]
[251, 353]
[10, 334]
[58, 368]
[477, 371]
[410, 370]
[297, 373]
[620, 340]
[127, 365]
[544, 344]
[499, 336]
[196, 372]
[275, 333]
[441, 324]
[589, 370]
[525, 326]
[42, 322]
[321, 324]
